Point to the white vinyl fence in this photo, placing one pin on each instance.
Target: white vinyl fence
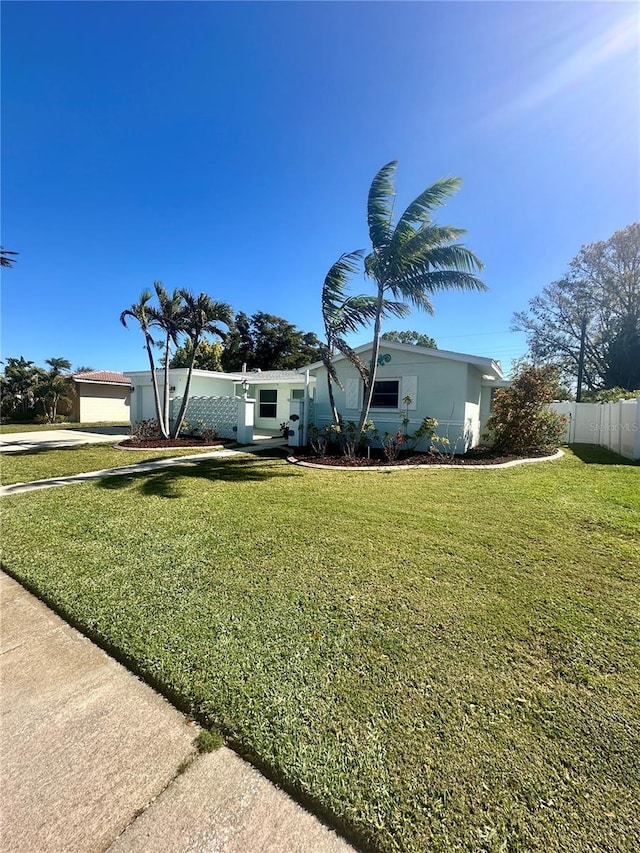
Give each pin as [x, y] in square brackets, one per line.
[615, 426]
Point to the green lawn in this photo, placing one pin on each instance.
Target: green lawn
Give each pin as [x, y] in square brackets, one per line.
[38, 464]
[8, 429]
[437, 660]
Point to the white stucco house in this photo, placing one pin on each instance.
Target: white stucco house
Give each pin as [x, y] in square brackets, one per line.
[214, 398]
[455, 388]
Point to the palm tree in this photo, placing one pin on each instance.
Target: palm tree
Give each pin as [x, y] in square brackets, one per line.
[5, 260]
[414, 258]
[145, 314]
[168, 318]
[343, 314]
[200, 316]
[54, 387]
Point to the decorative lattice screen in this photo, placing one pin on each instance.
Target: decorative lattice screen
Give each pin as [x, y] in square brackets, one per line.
[218, 412]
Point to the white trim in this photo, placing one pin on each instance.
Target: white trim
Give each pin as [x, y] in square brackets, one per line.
[487, 363]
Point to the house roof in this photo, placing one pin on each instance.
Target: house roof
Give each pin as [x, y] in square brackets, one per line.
[492, 369]
[107, 377]
[259, 377]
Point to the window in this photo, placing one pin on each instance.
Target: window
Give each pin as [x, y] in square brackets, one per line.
[268, 403]
[385, 394]
[297, 393]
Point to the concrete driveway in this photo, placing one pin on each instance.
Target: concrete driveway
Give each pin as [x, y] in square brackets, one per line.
[52, 438]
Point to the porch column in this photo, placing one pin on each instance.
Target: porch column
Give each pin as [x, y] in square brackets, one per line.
[244, 434]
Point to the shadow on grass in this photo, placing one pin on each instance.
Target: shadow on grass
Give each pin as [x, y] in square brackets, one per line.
[166, 482]
[593, 454]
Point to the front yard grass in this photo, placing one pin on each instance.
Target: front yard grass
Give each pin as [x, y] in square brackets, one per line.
[26, 466]
[437, 660]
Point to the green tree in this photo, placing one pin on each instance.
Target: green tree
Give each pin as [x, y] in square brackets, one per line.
[18, 383]
[54, 386]
[587, 323]
[208, 357]
[343, 314]
[267, 342]
[415, 338]
[201, 316]
[413, 259]
[168, 318]
[144, 313]
[521, 421]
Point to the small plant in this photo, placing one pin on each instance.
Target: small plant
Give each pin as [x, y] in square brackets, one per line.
[392, 444]
[209, 434]
[144, 430]
[317, 440]
[284, 429]
[208, 741]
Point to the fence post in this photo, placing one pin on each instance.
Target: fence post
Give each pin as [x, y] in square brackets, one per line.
[636, 429]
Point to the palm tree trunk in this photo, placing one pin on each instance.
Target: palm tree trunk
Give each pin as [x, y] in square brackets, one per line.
[373, 366]
[164, 432]
[185, 400]
[166, 384]
[332, 401]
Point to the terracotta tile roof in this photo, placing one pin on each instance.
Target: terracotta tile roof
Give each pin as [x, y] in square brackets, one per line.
[103, 376]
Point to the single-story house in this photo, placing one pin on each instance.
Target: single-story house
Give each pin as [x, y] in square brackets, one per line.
[272, 391]
[455, 388]
[101, 395]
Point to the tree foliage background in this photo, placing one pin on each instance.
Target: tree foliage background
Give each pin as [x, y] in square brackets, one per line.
[267, 342]
[601, 286]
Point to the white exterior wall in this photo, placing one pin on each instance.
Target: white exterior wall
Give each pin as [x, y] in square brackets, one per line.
[103, 402]
[615, 426]
[283, 407]
[203, 384]
[447, 390]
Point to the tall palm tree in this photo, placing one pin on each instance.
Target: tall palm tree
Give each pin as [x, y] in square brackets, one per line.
[343, 314]
[414, 258]
[167, 318]
[201, 316]
[145, 314]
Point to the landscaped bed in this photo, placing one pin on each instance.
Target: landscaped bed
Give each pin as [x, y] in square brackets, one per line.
[376, 458]
[158, 443]
[436, 663]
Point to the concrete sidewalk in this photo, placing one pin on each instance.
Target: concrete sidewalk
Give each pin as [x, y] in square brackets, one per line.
[134, 468]
[94, 760]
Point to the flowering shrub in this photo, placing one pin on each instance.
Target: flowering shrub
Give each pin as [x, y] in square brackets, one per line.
[521, 421]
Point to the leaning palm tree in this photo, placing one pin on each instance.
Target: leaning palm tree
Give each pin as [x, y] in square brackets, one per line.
[414, 258]
[201, 316]
[343, 314]
[145, 315]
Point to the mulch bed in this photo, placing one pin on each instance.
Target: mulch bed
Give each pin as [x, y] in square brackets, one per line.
[163, 443]
[476, 456]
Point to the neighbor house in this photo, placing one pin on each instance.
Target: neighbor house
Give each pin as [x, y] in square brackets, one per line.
[455, 388]
[101, 395]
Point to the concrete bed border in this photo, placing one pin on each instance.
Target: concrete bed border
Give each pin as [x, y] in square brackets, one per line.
[293, 460]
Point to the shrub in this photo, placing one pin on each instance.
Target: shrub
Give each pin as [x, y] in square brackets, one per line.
[521, 421]
[145, 429]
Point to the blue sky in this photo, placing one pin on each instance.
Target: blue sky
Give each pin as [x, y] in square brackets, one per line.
[229, 147]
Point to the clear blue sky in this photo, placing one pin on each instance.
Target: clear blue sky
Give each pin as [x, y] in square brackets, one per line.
[229, 147]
